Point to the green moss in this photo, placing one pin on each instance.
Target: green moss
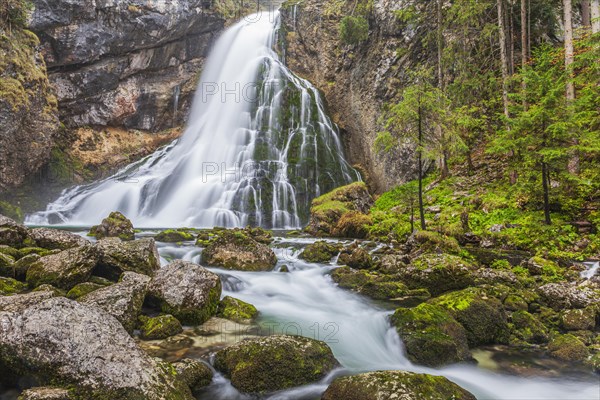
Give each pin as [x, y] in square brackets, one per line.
[10, 286]
[82, 289]
[320, 252]
[160, 327]
[8, 209]
[528, 328]
[567, 347]
[236, 310]
[174, 236]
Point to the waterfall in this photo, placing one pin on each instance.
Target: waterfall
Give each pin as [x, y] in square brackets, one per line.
[257, 149]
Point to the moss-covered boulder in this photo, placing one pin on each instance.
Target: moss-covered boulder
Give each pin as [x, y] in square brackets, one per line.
[195, 374]
[528, 328]
[540, 266]
[403, 385]
[82, 289]
[328, 213]
[438, 273]
[46, 393]
[433, 242]
[21, 266]
[48, 238]
[578, 320]
[514, 302]
[11, 252]
[6, 265]
[174, 236]
[187, 291]
[123, 300]
[10, 286]
[356, 257]
[51, 289]
[236, 249]
[161, 327]
[12, 234]
[564, 295]
[431, 335]
[568, 348]
[236, 310]
[272, 363]
[117, 256]
[115, 225]
[482, 315]
[65, 269]
[320, 252]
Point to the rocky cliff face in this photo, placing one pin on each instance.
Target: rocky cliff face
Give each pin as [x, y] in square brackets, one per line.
[357, 80]
[131, 64]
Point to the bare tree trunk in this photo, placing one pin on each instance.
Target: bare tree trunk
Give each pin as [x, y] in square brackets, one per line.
[569, 59]
[420, 170]
[595, 11]
[586, 13]
[524, 49]
[511, 39]
[504, 68]
[546, 187]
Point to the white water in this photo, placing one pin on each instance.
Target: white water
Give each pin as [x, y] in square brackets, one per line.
[591, 271]
[258, 147]
[305, 301]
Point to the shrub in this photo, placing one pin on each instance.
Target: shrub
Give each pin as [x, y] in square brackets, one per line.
[354, 30]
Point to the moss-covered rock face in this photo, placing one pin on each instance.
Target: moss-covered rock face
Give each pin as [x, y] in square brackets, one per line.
[195, 374]
[482, 316]
[431, 335]
[10, 252]
[514, 302]
[187, 291]
[116, 257]
[568, 348]
[20, 268]
[65, 269]
[341, 212]
[236, 249]
[174, 236]
[10, 286]
[115, 225]
[236, 310]
[12, 234]
[579, 320]
[82, 289]
[433, 242]
[6, 265]
[160, 327]
[356, 257]
[528, 328]
[320, 252]
[438, 273]
[273, 363]
[403, 385]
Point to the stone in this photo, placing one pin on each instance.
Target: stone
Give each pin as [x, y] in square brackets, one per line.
[235, 249]
[115, 225]
[379, 385]
[187, 291]
[563, 295]
[82, 289]
[173, 236]
[46, 393]
[56, 239]
[272, 363]
[10, 286]
[357, 258]
[320, 252]
[195, 374]
[431, 336]
[528, 328]
[65, 269]
[567, 348]
[236, 310]
[12, 234]
[117, 256]
[161, 327]
[578, 320]
[123, 300]
[20, 302]
[68, 343]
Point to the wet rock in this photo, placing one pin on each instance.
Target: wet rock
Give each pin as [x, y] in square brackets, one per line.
[82, 289]
[431, 335]
[578, 320]
[328, 212]
[115, 225]
[65, 269]
[528, 328]
[187, 291]
[20, 268]
[482, 315]
[195, 374]
[161, 327]
[123, 300]
[68, 343]
[356, 257]
[235, 249]
[236, 310]
[12, 234]
[55, 239]
[46, 393]
[568, 348]
[173, 236]
[10, 286]
[403, 385]
[320, 252]
[273, 363]
[563, 295]
[117, 256]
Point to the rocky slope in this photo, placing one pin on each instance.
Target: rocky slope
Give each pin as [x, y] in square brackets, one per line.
[357, 80]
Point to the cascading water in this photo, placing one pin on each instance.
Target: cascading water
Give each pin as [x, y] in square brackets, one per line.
[258, 148]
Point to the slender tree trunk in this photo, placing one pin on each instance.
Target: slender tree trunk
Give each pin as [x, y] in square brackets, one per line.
[470, 165]
[444, 171]
[569, 59]
[511, 39]
[546, 187]
[420, 170]
[595, 11]
[586, 13]
[504, 68]
[524, 49]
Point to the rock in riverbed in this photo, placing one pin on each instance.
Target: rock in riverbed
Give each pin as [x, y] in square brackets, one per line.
[117, 256]
[238, 250]
[65, 269]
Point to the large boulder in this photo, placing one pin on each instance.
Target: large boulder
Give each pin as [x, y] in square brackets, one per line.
[195, 374]
[174, 236]
[122, 300]
[187, 291]
[403, 385]
[579, 320]
[115, 225]
[528, 328]
[67, 343]
[117, 256]
[10, 286]
[568, 348]
[236, 249]
[236, 310]
[431, 336]
[161, 327]
[273, 363]
[341, 212]
[320, 252]
[65, 269]
[20, 302]
[11, 233]
[55, 239]
[562, 295]
[483, 316]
